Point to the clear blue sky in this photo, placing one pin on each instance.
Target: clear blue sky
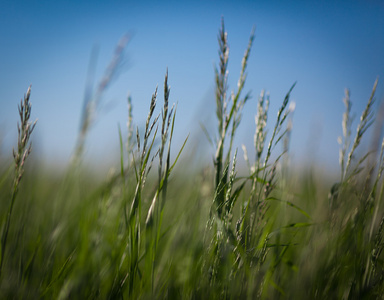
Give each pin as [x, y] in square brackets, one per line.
[326, 46]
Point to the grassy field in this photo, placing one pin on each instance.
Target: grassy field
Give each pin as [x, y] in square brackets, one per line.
[160, 227]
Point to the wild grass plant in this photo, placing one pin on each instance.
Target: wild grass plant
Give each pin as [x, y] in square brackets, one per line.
[24, 148]
[151, 230]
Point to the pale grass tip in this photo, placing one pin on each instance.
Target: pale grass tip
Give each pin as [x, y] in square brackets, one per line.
[292, 106]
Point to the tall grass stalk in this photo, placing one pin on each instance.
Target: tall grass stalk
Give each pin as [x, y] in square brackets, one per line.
[93, 98]
[24, 148]
[249, 238]
[354, 208]
[345, 161]
[133, 214]
[142, 242]
[366, 120]
[228, 112]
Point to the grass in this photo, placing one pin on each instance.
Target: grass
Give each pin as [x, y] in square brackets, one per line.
[162, 228]
[24, 129]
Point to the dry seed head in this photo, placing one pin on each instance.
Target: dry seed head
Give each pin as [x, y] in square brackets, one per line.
[245, 152]
[153, 103]
[346, 119]
[129, 124]
[24, 129]
[152, 126]
[261, 122]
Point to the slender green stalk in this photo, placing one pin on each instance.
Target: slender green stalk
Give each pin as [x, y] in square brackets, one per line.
[252, 229]
[227, 113]
[345, 161]
[366, 121]
[24, 148]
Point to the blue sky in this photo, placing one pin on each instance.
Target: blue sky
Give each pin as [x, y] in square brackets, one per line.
[326, 46]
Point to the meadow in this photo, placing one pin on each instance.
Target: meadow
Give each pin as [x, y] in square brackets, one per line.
[161, 226]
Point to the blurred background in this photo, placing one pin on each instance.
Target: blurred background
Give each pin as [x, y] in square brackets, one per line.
[326, 46]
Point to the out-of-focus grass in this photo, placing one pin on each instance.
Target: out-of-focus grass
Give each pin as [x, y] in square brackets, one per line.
[159, 227]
